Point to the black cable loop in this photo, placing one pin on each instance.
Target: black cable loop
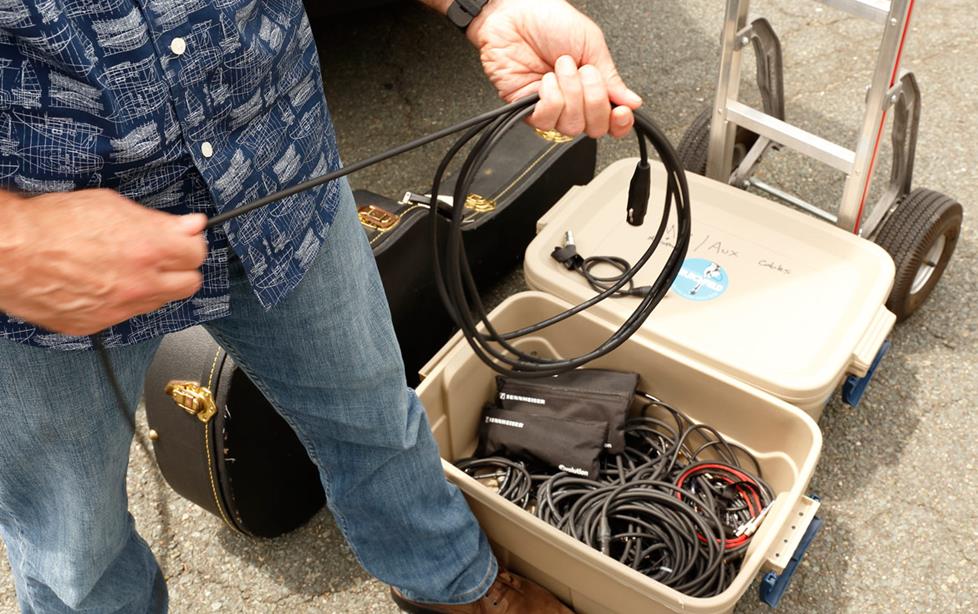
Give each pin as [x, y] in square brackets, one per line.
[601, 283]
[456, 284]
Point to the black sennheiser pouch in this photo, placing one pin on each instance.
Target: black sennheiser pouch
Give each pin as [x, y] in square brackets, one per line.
[583, 394]
[568, 445]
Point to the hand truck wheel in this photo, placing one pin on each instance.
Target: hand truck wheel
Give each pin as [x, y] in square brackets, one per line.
[920, 235]
[695, 144]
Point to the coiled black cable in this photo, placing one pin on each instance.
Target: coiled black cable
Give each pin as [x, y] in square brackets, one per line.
[513, 480]
[603, 282]
[457, 286]
[567, 255]
[677, 504]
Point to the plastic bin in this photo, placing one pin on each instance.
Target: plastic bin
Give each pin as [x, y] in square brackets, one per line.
[796, 305]
[785, 440]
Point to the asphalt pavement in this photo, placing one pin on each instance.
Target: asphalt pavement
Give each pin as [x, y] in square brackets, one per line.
[897, 475]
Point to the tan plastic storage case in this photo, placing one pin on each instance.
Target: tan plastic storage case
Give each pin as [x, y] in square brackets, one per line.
[805, 300]
[786, 441]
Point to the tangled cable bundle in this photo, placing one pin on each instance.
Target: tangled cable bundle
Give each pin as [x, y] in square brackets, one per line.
[678, 505]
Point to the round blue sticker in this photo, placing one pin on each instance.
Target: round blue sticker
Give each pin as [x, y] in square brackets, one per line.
[700, 280]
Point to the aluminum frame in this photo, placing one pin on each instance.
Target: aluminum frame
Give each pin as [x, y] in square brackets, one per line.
[885, 90]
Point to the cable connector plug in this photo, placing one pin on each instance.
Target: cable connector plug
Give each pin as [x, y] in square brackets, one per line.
[638, 193]
[604, 535]
[752, 525]
[641, 291]
[567, 253]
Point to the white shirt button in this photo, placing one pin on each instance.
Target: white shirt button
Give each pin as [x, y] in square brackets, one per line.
[206, 149]
[178, 46]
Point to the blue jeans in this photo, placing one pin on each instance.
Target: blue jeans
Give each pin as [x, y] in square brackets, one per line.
[326, 358]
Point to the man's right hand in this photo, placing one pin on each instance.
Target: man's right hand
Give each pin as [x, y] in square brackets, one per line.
[78, 262]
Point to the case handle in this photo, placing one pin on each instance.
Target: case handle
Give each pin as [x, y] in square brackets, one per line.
[866, 351]
[855, 387]
[774, 584]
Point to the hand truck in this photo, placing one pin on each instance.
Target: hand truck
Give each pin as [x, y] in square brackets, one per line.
[918, 227]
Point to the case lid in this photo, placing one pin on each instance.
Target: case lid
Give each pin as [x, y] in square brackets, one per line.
[772, 296]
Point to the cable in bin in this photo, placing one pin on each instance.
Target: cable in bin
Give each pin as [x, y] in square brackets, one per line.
[673, 499]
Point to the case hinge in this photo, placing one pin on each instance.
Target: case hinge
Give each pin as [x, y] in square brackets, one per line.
[192, 398]
[379, 219]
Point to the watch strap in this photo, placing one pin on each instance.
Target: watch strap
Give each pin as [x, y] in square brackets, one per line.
[462, 12]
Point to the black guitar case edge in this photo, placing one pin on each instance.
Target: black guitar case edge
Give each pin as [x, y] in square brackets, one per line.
[220, 443]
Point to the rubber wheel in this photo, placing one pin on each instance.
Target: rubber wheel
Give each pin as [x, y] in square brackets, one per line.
[695, 144]
[920, 235]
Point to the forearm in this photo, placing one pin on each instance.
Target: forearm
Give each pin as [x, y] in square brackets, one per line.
[12, 228]
[13, 243]
[78, 262]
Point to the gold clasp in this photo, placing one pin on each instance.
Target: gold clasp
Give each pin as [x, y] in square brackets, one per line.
[479, 203]
[192, 398]
[379, 219]
[553, 136]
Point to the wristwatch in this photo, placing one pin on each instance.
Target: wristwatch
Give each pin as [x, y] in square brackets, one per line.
[462, 12]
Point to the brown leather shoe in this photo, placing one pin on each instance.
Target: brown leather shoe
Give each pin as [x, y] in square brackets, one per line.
[509, 594]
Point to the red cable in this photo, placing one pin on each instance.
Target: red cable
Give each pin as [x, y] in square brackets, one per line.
[743, 477]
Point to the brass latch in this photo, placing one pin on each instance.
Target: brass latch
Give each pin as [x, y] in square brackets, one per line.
[377, 218]
[553, 136]
[479, 203]
[192, 398]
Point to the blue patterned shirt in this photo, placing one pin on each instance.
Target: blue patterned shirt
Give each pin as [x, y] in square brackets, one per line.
[183, 106]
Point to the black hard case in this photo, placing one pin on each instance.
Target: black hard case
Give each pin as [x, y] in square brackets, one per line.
[245, 465]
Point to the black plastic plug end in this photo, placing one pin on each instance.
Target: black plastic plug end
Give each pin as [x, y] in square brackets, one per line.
[567, 256]
[567, 253]
[638, 193]
[604, 536]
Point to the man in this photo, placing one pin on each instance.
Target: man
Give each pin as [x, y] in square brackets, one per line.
[190, 108]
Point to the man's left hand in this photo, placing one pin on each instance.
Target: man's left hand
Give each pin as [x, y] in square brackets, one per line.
[548, 46]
